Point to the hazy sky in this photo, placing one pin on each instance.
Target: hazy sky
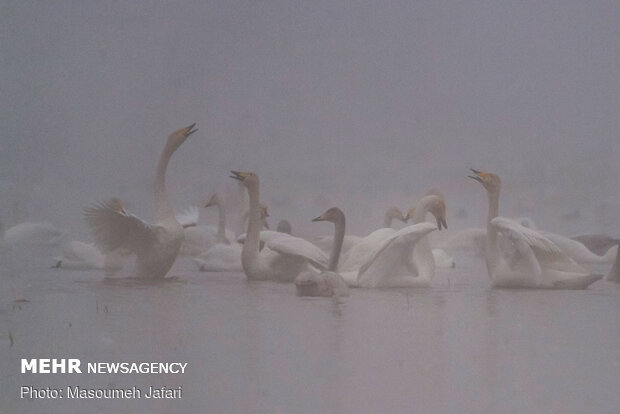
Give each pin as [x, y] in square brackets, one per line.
[363, 104]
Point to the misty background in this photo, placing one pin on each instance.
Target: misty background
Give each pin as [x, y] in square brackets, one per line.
[361, 104]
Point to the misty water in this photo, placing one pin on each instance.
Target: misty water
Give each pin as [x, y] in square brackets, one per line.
[457, 347]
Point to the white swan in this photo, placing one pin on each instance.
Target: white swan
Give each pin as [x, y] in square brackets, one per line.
[222, 256]
[394, 264]
[37, 233]
[156, 246]
[536, 262]
[327, 283]
[405, 259]
[200, 238]
[357, 254]
[284, 256]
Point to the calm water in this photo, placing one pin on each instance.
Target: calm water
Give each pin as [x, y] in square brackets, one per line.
[458, 347]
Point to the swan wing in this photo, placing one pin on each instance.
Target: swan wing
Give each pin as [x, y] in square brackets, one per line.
[296, 246]
[188, 217]
[394, 254]
[115, 229]
[535, 248]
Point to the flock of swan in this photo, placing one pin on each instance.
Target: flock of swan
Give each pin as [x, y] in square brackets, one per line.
[517, 254]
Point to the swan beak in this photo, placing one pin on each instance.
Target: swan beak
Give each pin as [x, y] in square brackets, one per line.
[209, 204]
[189, 130]
[477, 176]
[319, 218]
[238, 175]
[441, 221]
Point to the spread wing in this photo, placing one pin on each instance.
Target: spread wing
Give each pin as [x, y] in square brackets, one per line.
[395, 250]
[533, 247]
[295, 246]
[113, 229]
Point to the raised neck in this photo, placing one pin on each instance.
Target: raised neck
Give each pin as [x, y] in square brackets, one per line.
[163, 208]
[339, 227]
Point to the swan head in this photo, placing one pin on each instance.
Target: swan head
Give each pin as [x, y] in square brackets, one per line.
[332, 215]
[437, 208]
[395, 213]
[248, 179]
[284, 226]
[179, 136]
[491, 182]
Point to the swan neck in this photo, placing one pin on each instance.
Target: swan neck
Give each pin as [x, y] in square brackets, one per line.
[252, 241]
[163, 208]
[492, 253]
[337, 247]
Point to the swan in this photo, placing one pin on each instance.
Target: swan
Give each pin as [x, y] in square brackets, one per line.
[614, 273]
[394, 265]
[222, 256]
[355, 255]
[536, 261]
[405, 258]
[284, 256]
[199, 239]
[157, 245]
[35, 233]
[327, 283]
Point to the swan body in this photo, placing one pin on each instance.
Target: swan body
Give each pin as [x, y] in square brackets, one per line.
[284, 256]
[157, 245]
[220, 258]
[535, 261]
[327, 283]
[37, 233]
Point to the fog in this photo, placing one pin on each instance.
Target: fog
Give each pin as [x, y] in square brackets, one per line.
[357, 104]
